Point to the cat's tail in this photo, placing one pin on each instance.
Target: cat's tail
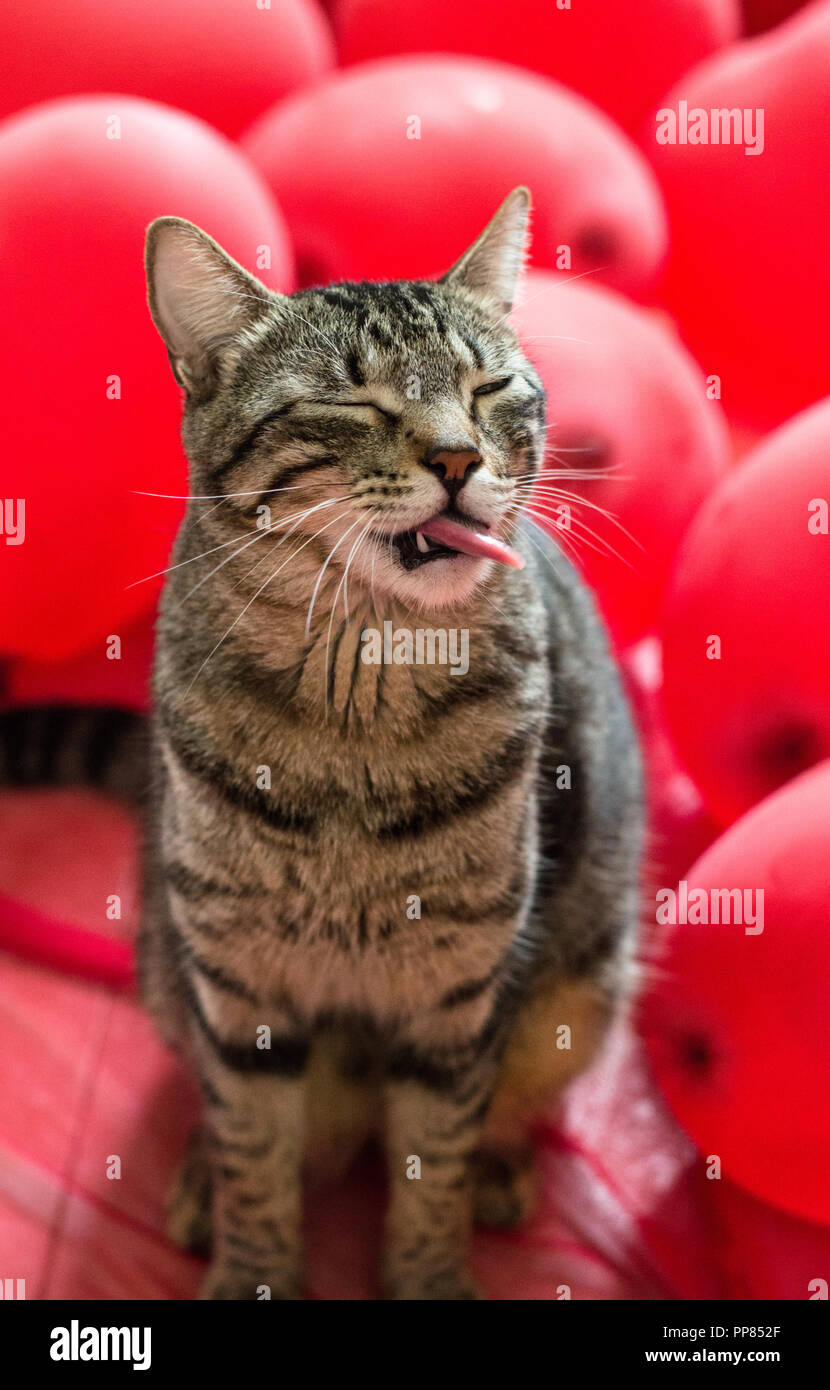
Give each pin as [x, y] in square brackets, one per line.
[100, 747]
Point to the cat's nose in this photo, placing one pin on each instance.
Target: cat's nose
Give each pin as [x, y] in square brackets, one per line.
[453, 464]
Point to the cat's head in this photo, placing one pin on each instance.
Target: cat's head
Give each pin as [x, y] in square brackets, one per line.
[360, 415]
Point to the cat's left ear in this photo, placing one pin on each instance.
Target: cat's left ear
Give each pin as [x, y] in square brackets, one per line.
[492, 265]
[201, 302]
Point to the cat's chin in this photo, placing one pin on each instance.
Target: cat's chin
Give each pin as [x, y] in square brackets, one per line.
[447, 582]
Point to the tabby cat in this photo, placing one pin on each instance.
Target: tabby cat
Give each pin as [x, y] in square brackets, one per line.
[382, 897]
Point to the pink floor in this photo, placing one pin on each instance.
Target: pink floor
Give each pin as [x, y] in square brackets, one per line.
[85, 1081]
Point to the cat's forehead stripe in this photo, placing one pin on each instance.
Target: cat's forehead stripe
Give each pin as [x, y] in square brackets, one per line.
[395, 343]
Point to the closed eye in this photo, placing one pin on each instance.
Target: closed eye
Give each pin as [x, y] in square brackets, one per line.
[361, 405]
[490, 386]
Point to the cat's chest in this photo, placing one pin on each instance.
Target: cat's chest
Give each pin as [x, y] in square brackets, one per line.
[337, 917]
[354, 945]
[380, 847]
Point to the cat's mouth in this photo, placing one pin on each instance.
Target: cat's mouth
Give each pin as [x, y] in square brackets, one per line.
[447, 537]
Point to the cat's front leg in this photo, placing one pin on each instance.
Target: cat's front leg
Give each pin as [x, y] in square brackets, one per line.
[434, 1117]
[254, 1118]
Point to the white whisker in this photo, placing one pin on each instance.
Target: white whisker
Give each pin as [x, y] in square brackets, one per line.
[340, 586]
[322, 572]
[223, 496]
[596, 270]
[298, 518]
[576, 539]
[262, 586]
[575, 498]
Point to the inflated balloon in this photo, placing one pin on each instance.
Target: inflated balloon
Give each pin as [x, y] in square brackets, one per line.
[116, 672]
[580, 44]
[89, 413]
[223, 62]
[746, 644]
[679, 825]
[761, 1251]
[749, 276]
[764, 14]
[736, 1021]
[385, 170]
[628, 406]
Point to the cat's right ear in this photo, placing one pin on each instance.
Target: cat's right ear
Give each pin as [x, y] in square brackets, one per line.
[201, 302]
[492, 265]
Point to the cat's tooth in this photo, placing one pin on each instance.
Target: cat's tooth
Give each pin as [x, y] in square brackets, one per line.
[422, 542]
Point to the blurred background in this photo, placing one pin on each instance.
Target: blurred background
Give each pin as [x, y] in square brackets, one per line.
[676, 305]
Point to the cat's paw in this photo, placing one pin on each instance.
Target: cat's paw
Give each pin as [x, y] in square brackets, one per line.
[234, 1284]
[504, 1192]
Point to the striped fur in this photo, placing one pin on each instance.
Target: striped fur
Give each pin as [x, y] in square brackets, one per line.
[303, 800]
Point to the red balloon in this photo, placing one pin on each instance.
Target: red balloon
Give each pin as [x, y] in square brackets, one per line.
[393, 168]
[90, 411]
[746, 645]
[625, 401]
[622, 57]
[223, 62]
[749, 275]
[763, 14]
[763, 1252]
[108, 675]
[736, 1022]
[680, 827]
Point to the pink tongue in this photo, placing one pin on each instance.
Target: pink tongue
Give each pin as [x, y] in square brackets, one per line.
[459, 537]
